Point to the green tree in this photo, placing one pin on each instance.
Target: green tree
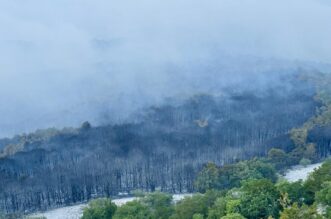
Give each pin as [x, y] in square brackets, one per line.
[305, 212]
[233, 206]
[231, 175]
[207, 178]
[296, 191]
[189, 206]
[211, 196]
[99, 209]
[259, 199]
[291, 213]
[316, 179]
[260, 169]
[305, 162]
[233, 216]
[310, 152]
[197, 216]
[160, 205]
[133, 210]
[324, 197]
[218, 210]
[278, 157]
[328, 212]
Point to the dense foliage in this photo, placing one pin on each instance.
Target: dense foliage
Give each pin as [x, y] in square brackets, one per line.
[254, 197]
[231, 175]
[99, 209]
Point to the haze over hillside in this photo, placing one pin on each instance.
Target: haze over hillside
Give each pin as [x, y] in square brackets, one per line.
[108, 98]
[65, 62]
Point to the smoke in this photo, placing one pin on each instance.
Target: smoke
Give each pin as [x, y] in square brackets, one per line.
[63, 62]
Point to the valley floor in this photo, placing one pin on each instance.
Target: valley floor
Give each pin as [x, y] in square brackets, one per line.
[76, 211]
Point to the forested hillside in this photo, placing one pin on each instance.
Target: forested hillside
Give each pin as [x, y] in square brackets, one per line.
[249, 192]
[164, 147]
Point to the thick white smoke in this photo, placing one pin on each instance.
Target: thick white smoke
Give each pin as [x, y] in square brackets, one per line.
[66, 61]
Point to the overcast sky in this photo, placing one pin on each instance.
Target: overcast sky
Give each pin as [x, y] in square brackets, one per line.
[66, 61]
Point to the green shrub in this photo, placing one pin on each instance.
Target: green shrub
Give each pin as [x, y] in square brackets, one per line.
[233, 216]
[305, 162]
[99, 209]
[133, 210]
[197, 216]
[189, 206]
[259, 199]
[160, 204]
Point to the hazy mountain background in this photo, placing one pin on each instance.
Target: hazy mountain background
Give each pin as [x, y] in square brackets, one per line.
[142, 95]
[64, 62]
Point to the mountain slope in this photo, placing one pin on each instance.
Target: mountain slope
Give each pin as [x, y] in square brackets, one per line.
[163, 148]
